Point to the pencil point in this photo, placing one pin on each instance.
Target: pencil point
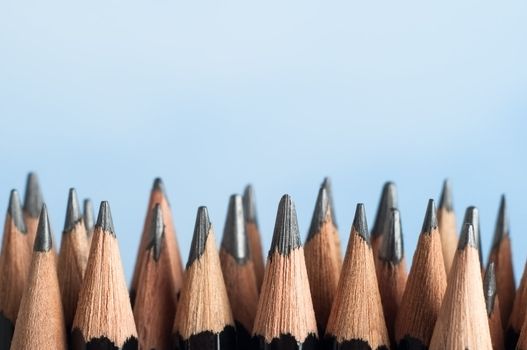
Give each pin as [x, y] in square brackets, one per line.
[489, 288]
[467, 237]
[472, 217]
[446, 202]
[104, 220]
[430, 221]
[249, 204]
[201, 233]
[159, 186]
[234, 239]
[286, 236]
[89, 220]
[392, 249]
[320, 215]
[359, 222]
[387, 202]
[43, 241]
[157, 230]
[15, 211]
[73, 212]
[33, 198]
[502, 223]
[329, 191]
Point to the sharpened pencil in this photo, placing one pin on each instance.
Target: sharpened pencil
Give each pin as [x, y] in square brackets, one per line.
[380, 226]
[493, 308]
[446, 220]
[472, 217]
[518, 315]
[253, 234]
[89, 218]
[33, 201]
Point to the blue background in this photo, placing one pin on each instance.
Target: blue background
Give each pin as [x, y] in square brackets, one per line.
[107, 95]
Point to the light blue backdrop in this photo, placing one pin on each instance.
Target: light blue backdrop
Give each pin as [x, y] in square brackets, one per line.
[106, 95]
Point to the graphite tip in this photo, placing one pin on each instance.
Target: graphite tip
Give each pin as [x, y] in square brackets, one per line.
[502, 223]
[15, 211]
[467, 237]
[73, 211]
[321, 214]
[286, 236]
[249, 204]
[360, 224]
[89, 216]
[234, 239]
[329, 190]
[104, 219]
[489, 288]
[446, 202]
[472, 217]
[33, 198]
[157, 230]
[430, 221]
[43, 241]
[201, 233]
[387, 202]
[392, 248]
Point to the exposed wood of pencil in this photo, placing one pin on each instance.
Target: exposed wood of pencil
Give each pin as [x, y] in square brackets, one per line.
[155, 303]
[158, 195]
[14, 268]
[387, 202]
[446, 219]
[322, 260]
[326, 184]
[40, 323]
[357, 315]
[73, 258]
[285, 311]
[253, 234]
[33, 201]
[104, 314]
[391, 273]
[517, 318]
[462, 322]
[501, 256]
[493, 308]
[425, 287]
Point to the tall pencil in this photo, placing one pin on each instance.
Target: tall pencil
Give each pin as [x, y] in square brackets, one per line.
[493, 308]
[155, 303]
[380, 226]
[501, 256]
[391, 272]
[40, 322]
[472, 217]
[104, 318]
[285, 318]
[238, 272]
[204, 319]
[158, 195]
[322, 259]
[89, 218]
[253, 234]
[329, 190]
[446, 220]
[424, 288]
[73, 258]
[518, 315]
[14, 268]
[462, 322]
[33, 201]
[356, 320]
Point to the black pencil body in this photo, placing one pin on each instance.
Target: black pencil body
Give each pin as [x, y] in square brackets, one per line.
[288, 342]
[6, 332]
[225, 340]
[511, 339]
[79, 343]
[244, 339]
[330, 343]
[409, 343]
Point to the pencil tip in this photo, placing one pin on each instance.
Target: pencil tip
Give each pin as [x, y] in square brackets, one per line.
[446, 202]
[234, 239]
[33, 198]
[15, 211]
[73, 212]
[392, 249]
[104, 219]
[249, 204]
[502, 223]
[43, 241]
[329, 190]
[159, 186]
[286, 236]
[320, 214]
[89, 220]
[387, 202]
[467, 237]
[489, 287]
[201, 233]
[157, 230]
[430, 221]
[359, 223]
[472, 217]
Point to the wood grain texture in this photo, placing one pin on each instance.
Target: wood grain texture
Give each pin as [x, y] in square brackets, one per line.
[501, 256]
[446, 221]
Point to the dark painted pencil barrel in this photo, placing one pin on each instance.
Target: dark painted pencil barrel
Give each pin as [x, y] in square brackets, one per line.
[287, 342]
[224, 340]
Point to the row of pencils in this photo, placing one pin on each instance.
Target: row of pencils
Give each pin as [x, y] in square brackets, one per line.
[304, 297]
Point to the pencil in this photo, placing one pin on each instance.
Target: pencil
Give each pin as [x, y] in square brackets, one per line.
[104, 318]
[501, 256]
[391, 272]
[357, 320]
[89, 219]
[472, 217]
[387, 202]
[493, 308]
[158, 195]
[204, 319]
[462, 321]
[73, 258]
[518, 312]
[424, 288]
[40, 322]
[238, 272]
[14, 268]
[329, 190]
[522, 342]
[33, 201]
[285, 318]
[322, 259]
[446, 220]
[253, 234]
[155, 304]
